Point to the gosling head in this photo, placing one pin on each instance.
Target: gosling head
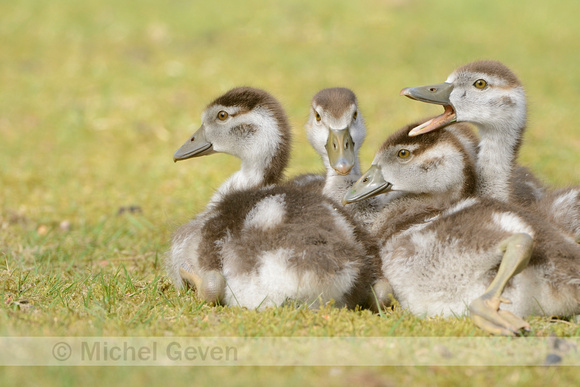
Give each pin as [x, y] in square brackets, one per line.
[336, 129]
[245, 122]
[485, 93]
[433, 164]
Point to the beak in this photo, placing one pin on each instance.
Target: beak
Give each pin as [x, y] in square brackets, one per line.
[436, 94]
[340, 150]
[371, 183]
[196, 146]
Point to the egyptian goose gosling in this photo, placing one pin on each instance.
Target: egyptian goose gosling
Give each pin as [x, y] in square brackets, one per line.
[445, 249]
[259, 244]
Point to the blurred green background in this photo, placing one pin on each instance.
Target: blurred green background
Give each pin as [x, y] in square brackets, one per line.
[95, 96]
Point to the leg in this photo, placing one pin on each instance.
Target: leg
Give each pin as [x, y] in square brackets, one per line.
[210, 286]
[381, 297]
[485, 309]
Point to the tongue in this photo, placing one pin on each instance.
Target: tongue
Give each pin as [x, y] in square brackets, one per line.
[438, 122]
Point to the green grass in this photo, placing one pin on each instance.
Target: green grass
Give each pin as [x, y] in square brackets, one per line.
[95, 96]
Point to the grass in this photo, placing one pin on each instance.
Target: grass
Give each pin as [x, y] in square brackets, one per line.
[96, 96]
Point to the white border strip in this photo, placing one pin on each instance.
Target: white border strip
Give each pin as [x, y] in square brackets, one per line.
[288, 351]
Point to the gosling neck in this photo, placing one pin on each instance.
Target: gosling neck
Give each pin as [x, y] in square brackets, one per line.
[496, 158]
[257, 171]
[336, 185]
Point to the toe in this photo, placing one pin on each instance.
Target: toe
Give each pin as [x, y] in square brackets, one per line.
[485, 314]
[189, 277]
[515, 321]
[491, 327]
[382, 294]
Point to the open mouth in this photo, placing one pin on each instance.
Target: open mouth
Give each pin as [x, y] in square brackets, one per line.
[448, 117]
[438, 94]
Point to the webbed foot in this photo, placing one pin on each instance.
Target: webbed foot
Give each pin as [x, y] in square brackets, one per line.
[484, 310]
[210, 286]
[382, 295]
[485, 314]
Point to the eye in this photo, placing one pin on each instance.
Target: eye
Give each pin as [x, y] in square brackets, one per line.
[355, 115]
[480, 84]
[404, 153]
[222, 115]
[318, 118]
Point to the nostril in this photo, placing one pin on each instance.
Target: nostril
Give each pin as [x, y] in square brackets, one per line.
[433, 89]
[193, 139]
